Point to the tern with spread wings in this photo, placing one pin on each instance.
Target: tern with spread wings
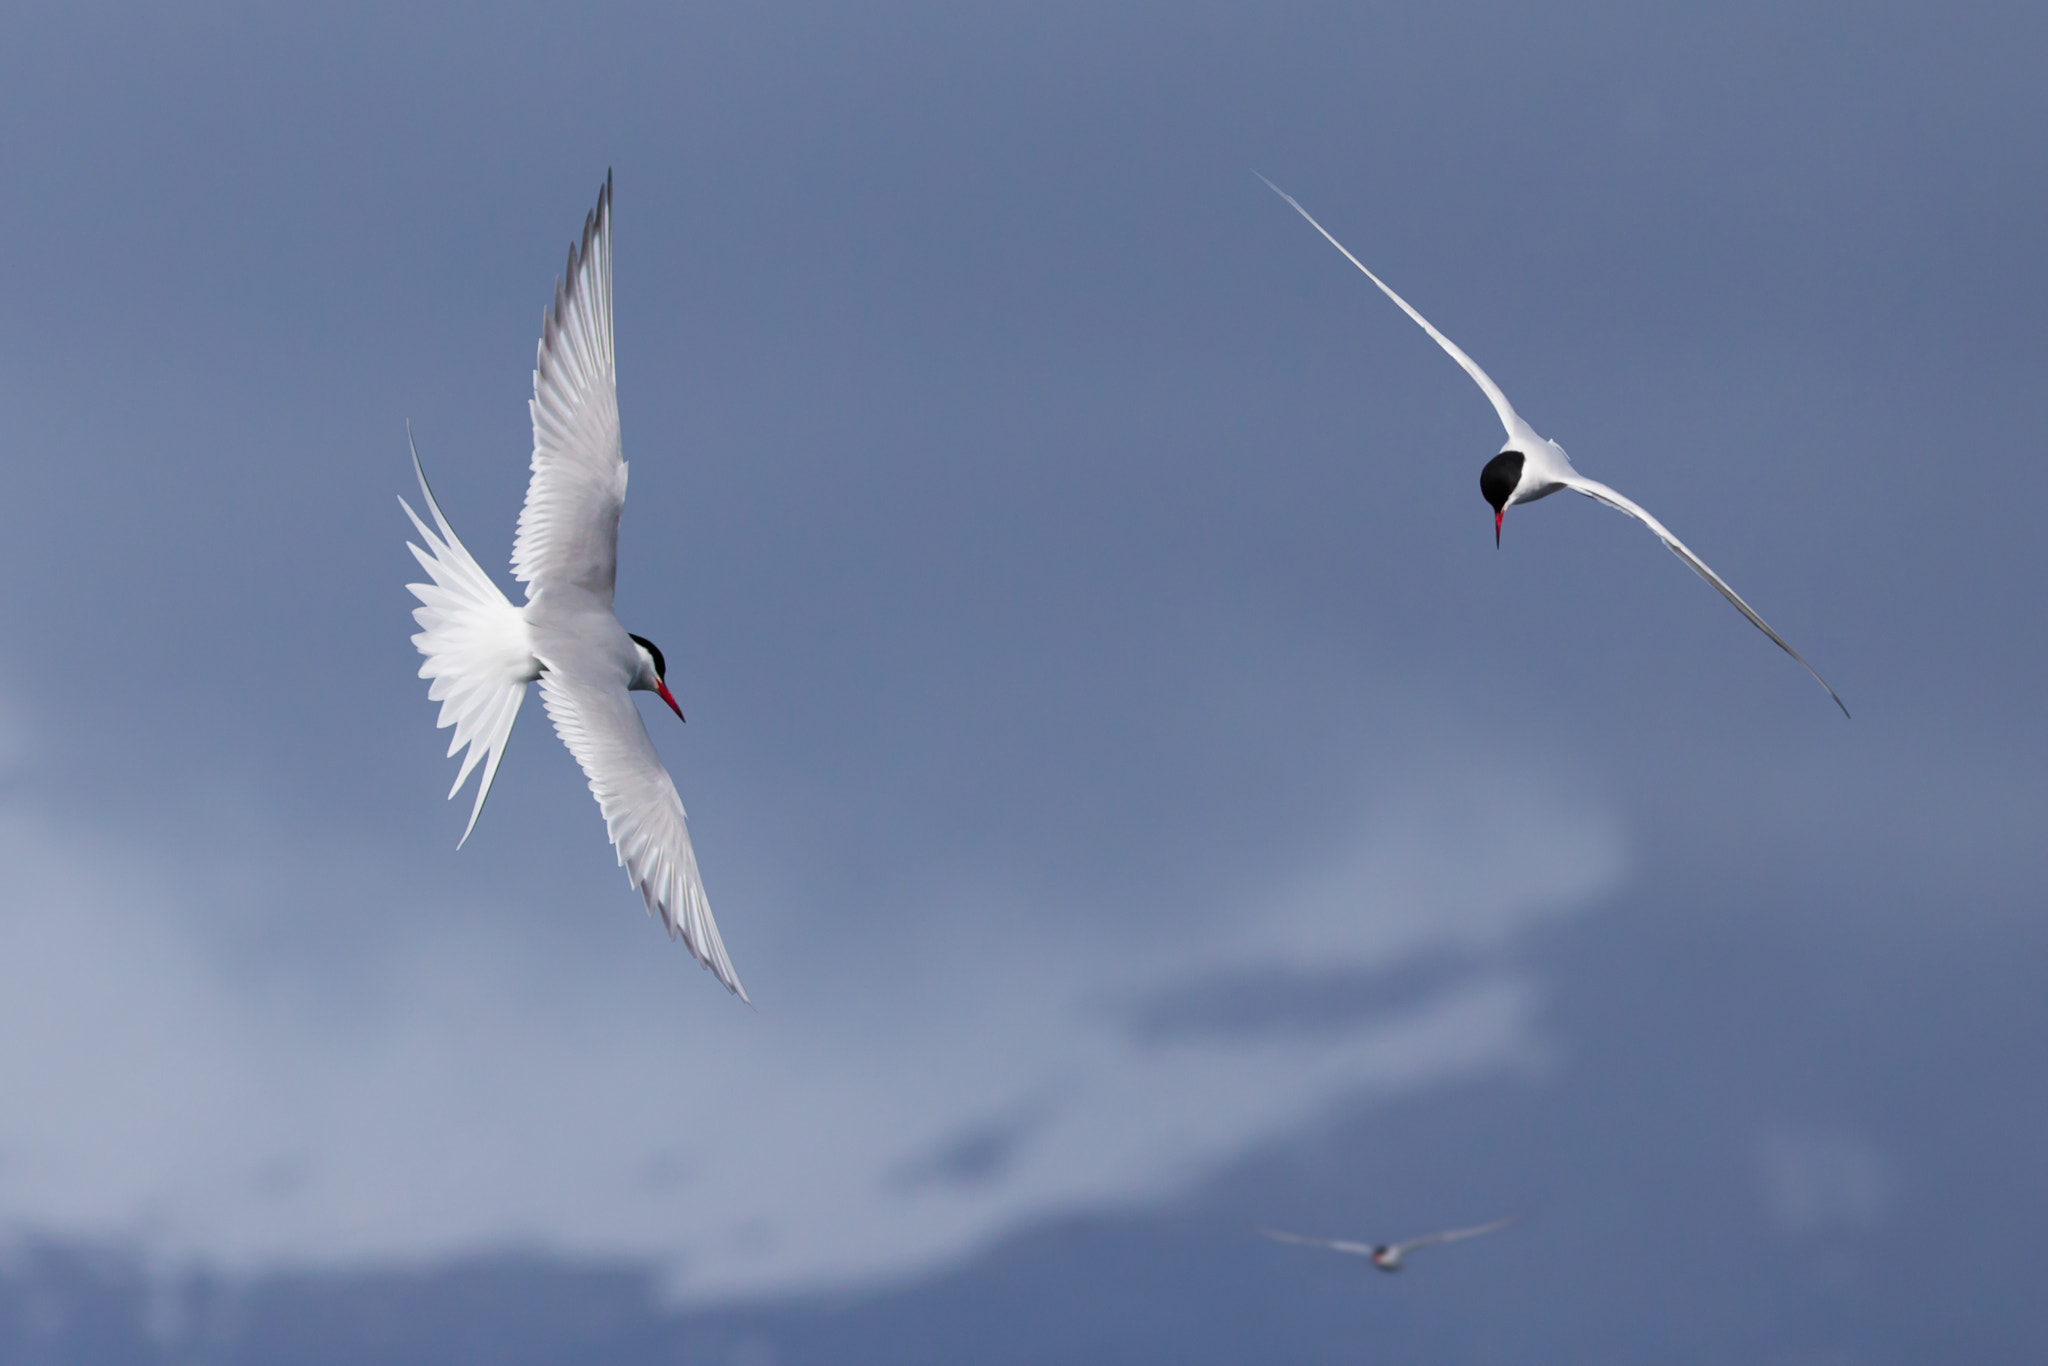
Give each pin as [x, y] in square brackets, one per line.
[1529, 467]
[1387, 1256]
[482, 650]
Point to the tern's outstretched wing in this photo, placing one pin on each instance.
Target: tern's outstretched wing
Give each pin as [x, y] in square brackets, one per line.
[1454, 1234]
[479, 653]
[1331, 1244]
[569, 529]
[1600, 493]
[642, 813]
[1501, 406]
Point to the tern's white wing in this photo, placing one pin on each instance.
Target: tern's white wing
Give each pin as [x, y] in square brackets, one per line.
[479, 652]
[1501, 406]
[1332, 1244]
[642, 813]
[1454, 1234]
[1600, 493]
[569, 529]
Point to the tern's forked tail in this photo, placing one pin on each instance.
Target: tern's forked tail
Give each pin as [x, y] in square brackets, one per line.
[479, 654]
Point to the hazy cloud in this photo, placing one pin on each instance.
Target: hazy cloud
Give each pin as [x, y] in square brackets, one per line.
[1248, 1002]
[1819, 1177]
[171, 1083]
[974, 1156]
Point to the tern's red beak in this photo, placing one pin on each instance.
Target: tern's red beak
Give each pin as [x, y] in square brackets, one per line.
[669, 698]
[1498, 514]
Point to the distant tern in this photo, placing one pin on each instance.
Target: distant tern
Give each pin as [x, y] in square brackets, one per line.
[1387, 1256]
[1530, 467]
[482, 650]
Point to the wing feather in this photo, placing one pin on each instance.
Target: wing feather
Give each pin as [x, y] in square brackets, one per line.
[643, 814]
[569, 527]
[1453, 1235]
[1600, 493]
[1330, 1244]
[1501, 406]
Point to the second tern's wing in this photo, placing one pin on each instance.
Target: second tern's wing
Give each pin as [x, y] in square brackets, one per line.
[1453, 1235]
[1600, 493]
[569, 529]
[1329, 1244]
[642, 813]
[1501, 406]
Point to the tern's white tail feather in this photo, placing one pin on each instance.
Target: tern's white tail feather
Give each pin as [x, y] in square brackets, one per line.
[479, 654]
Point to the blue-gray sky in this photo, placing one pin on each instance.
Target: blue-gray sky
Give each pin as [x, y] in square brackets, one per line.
[1116, 746]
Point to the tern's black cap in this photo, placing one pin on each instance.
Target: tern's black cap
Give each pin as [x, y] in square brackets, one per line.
[1497, 481]
[660, 664]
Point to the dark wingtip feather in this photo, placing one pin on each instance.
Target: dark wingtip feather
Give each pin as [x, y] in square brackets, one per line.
[594, 224]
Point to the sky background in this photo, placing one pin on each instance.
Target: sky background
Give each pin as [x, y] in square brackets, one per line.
[1137, 797]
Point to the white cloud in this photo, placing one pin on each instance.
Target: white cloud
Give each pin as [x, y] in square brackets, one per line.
[469, 1087]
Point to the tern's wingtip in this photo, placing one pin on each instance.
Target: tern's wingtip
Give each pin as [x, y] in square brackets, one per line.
[730, 980]
[1833, 696]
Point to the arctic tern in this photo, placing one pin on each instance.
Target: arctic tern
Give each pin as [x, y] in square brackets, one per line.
[1529, 467]
[1387, 1256]
[482, 650]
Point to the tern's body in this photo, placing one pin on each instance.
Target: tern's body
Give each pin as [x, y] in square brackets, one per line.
[482, 650]
[1387, 1256]
[1531, 467]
